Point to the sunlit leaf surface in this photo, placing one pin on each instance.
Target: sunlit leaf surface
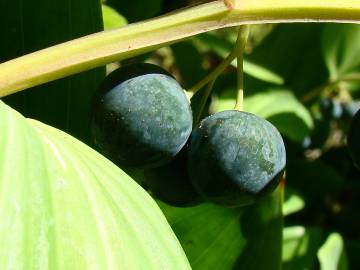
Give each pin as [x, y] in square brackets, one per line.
[64, 206]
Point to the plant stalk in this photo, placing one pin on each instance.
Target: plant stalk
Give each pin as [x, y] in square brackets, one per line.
[101, 48]
[218, 70]
[202, 104]
[242, 39]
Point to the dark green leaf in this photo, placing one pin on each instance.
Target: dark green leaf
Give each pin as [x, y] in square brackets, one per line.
[136, 10]
[216, 237]
[28, 26]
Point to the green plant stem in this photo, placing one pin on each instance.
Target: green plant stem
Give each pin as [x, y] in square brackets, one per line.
[243, 36]
[212, 75]
[99, 49]
[237, 52]
[219, 69]
[202, 104]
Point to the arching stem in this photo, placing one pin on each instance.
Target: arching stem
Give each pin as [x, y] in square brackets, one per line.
[220, 68]
[204, 98]
[105, 47]
[237, 52]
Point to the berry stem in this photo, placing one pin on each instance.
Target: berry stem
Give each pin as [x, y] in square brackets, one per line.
[221, 67]
[242, 38]
[204, 98]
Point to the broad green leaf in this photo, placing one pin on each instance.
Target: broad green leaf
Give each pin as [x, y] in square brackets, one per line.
[300, 245]
[28, 26]
[112, 19]
[210, 235]
[279, 106]
[332, 254]
[64, 206]
[277, 101]
[341, 49]
[216, 237]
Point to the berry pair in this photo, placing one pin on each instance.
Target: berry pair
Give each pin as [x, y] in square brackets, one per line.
[142, 118]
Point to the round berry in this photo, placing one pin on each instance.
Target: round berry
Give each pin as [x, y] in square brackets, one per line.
[235, 158]
[141, 116]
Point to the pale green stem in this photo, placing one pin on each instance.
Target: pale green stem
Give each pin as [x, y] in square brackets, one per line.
[218, 70]
[238, 50]
[99, 49]
[243, 36]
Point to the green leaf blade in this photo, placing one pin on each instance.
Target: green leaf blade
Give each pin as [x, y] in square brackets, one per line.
[64, 206]
[216, 237]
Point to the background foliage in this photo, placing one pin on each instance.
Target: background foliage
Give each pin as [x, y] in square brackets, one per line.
[301, 77]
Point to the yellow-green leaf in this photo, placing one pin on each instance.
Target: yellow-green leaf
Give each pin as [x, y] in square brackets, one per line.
[64, 206]
[112, 19]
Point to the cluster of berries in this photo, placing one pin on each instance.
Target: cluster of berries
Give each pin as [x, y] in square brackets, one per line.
[142, 118]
